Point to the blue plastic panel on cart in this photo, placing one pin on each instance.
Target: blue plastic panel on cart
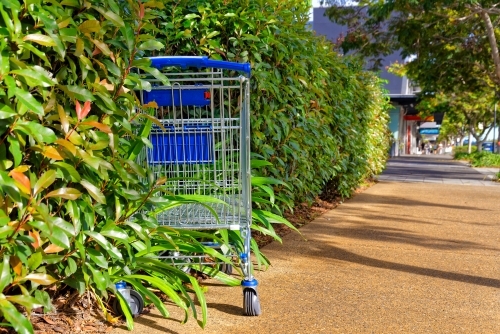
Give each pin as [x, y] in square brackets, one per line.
[199, 62]
[191, 146]
[175, 97]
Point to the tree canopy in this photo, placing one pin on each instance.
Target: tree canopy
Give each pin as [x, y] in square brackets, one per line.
[450, 43]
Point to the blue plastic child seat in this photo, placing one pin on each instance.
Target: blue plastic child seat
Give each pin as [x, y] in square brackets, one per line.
[191, 146]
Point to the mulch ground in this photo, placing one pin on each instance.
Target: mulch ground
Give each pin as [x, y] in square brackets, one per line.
[84, 315]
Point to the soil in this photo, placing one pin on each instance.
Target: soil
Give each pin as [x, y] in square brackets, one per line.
[85, 316]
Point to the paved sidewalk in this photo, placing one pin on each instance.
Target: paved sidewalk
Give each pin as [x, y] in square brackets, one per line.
[437, 169]
[401, 257]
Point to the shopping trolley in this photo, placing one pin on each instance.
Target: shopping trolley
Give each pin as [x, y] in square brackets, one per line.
[203, 148]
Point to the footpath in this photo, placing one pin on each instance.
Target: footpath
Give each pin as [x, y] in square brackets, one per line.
[419, 252]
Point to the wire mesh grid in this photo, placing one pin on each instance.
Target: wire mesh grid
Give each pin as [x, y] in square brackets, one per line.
[198, 149]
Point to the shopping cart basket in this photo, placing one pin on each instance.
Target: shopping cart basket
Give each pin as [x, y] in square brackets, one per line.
[204, 149]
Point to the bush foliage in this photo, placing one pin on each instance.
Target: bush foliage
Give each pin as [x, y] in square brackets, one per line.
[316, 116]
[478, 159]
[70, 190]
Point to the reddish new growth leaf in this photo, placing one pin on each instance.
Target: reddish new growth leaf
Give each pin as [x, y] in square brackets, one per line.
[141, 10]
[82, 113]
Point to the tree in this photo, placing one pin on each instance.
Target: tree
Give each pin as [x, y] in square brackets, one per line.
[454, 42]
[466, 112]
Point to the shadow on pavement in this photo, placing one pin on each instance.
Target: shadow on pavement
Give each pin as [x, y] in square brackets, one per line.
[343, 255]
[226, 308]
[393, 200]
[147, 320]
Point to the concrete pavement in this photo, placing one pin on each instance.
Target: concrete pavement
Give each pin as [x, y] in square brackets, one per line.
[401, 257]
[437, 169]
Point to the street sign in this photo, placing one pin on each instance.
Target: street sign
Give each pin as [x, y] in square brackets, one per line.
[429, 131]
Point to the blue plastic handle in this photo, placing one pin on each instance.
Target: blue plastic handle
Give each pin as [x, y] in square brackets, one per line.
[201, 61]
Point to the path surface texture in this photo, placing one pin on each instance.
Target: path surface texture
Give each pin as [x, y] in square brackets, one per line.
[401, 257]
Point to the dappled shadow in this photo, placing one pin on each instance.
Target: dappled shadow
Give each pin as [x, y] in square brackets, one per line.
[149, 320]
[340, 254]
[226, 308]
[402, 201]
[376, 233]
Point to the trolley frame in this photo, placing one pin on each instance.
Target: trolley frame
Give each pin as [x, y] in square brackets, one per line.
[204, 148]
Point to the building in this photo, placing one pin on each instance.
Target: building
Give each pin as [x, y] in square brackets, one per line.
[405, 125]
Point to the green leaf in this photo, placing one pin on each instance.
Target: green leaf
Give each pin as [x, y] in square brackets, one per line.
[138, 286]
[4, 63]
[42, 134]
[151, 45]
[90, 26]
[114, 232]
[116, 19]
[97, 257]
[36, 76]
[219, 275]
[126, 310]
[102, 46]
[201, 300]
[28, 101]
[66, 193]
[98, 278]
[6, 111]
[191, 16]
[9, 187]
[39, 278]
[67, 171]
[5, 277]
[101, 240]
[71, 268]
[259, 163]
[35, 260]
[128, 34]
[34, 50]
[44, 298]
[260, 180]
[59, 237]
[15, 150]
[27, 301]
[93, 191]
[78, 93]
[45, 181]
[164, 287]
[16, 319]
[40, 39]
[156, 73]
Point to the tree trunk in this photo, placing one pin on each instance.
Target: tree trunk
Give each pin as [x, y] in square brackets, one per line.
[469, 150]
[492, 39]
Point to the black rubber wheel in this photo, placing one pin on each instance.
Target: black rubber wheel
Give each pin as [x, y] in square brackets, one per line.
[137, 306]
[226, 268]
[251, 303]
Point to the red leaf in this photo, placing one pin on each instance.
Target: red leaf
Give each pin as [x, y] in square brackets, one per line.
[86, 109]
[22, 180]
[35, 235]
[78, 109]
[141, 10]
[82, 113]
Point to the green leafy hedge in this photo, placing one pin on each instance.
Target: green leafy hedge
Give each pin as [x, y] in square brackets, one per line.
[316, 116]
[70, 189]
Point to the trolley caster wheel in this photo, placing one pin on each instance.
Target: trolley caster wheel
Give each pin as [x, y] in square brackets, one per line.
[226, 268]
[137, 304]
[251, 303]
